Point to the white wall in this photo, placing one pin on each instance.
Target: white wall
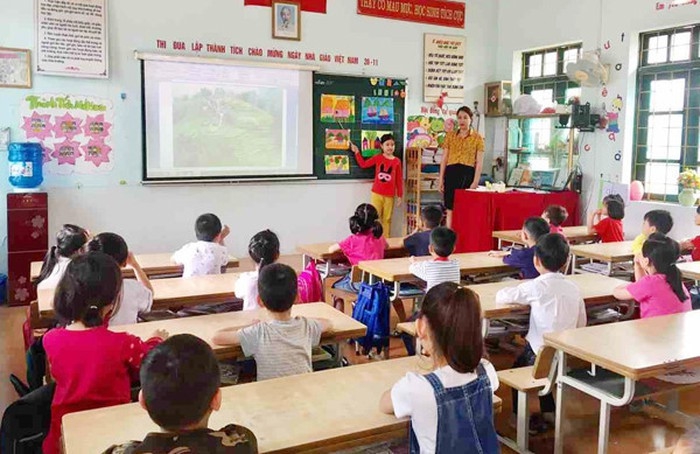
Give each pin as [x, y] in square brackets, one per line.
[160, 219]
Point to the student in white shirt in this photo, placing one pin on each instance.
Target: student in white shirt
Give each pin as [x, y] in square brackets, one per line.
[264, 249]
[208, 255]
[555, 305]
[440, 269]
[451, 409]
[137, 295]
[69, 243]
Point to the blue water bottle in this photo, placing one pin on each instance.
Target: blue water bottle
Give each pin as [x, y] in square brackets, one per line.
[26, 160]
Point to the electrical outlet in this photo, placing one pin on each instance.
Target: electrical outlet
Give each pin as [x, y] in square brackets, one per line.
[4, 138]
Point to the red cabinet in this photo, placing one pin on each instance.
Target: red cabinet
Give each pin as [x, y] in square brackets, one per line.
[27, 242]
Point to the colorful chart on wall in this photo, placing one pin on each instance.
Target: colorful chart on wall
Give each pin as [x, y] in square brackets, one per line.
[75, 132]
[337, 139]
[357, 110]
[378, 111]
[427, 131]
[337, 164]
[337, 109]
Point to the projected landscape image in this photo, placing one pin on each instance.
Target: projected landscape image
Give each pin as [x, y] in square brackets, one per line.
[227, 126]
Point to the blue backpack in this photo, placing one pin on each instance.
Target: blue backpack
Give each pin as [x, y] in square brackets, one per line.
[372, 310]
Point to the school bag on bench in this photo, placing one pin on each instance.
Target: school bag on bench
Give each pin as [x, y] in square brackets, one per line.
[26, 422]
[372, 310]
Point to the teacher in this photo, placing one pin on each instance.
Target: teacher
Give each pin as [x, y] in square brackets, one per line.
[462, 160]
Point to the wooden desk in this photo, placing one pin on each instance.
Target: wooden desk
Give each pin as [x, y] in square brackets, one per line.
[690, 270]
[205, 326]
[153, 265]
[173, 292]
[635, 349]
[319, 252]
[604, 252]
[321, 412]
[575, 235]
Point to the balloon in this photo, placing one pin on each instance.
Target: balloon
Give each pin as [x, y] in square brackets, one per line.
[636, 190]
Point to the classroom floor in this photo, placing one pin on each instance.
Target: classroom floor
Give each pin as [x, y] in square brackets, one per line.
[629, 432]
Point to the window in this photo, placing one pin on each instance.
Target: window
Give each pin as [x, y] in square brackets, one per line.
[667, 129]
[544, 74]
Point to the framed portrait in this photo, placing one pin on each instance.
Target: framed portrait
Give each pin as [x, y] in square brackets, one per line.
[15, 68]
[286, 20]
[498, 98]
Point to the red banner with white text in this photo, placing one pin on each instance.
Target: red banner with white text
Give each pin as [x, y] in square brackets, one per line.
[435, 12]
[312, 6]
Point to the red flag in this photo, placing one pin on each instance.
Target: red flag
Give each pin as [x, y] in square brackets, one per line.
[312, 6]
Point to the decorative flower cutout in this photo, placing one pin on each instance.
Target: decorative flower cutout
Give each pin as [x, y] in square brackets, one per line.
[96, 152]
[37, 126]
[67, 126]
[66, 152]
[96, 127]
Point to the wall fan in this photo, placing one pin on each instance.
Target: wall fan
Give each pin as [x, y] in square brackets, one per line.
[588, 71]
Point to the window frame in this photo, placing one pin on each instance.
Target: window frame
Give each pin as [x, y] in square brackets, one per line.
[559, 83]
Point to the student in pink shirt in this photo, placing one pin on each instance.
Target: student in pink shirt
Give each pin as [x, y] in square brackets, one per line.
[93, 367]
[365, 243]
[658, 288]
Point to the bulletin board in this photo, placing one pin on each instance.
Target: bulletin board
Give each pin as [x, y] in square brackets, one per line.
[358, 110]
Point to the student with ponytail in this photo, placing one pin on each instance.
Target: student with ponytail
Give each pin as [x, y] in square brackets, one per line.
[658, 288]
[365, 243]
[92, 366]
[69, 243]
[264, 249]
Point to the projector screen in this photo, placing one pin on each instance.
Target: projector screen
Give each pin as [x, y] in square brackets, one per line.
[206, 121]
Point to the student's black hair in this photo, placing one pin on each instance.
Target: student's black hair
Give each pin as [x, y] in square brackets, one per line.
[615, 205]
[552, 250]
[386, 137]
[661, 219]
[179, 379]
[663, 253]
[443, 240]
[91, 282]
[536, 227]
[207, 227]
[366, 218]
[277, 287]
[431, 216]
[697, 210]
[264, 248]
[112, 245]
[556, 214]
[69, 241]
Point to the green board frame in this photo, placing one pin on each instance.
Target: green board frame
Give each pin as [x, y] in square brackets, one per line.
[359, 87]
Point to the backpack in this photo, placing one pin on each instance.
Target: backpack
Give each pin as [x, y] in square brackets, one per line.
[372, 310]
[310, 285]
[26, 422]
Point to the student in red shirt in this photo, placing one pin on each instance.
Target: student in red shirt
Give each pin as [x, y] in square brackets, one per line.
[608, 228]
[388, 179]
[92, 366]
[693, 245]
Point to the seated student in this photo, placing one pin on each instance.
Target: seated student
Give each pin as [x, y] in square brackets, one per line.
[418, 242]
[69, 243]
[451, 409]
[180, 383]
[522, 258]
[208, 255]
[693, 245]
[555, 215]
[264, 249]
[654, 221]
[92, 366]
[136, 296]
[607, 222]
[281, 346]
[441, 268]
[555, 305]
[658, 286]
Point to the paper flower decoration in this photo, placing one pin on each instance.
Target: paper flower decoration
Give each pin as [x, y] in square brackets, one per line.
[66, 152]
[37, 126]
[96, 127]
[67, 126]
[96, 152]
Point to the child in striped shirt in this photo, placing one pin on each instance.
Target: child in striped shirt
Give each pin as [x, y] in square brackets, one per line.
[440, 269]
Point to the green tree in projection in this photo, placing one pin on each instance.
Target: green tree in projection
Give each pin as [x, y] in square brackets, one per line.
[228, 128]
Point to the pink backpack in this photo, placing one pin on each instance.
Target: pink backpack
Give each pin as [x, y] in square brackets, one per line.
[310, 285]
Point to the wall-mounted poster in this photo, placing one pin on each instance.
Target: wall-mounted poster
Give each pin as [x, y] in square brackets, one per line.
[443, 68]
[15, 68]
[71, 37]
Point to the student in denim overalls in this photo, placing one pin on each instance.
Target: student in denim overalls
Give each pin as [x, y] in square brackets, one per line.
[451, 408]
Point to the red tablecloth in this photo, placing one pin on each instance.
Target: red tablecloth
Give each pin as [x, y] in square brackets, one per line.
[478, 214]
